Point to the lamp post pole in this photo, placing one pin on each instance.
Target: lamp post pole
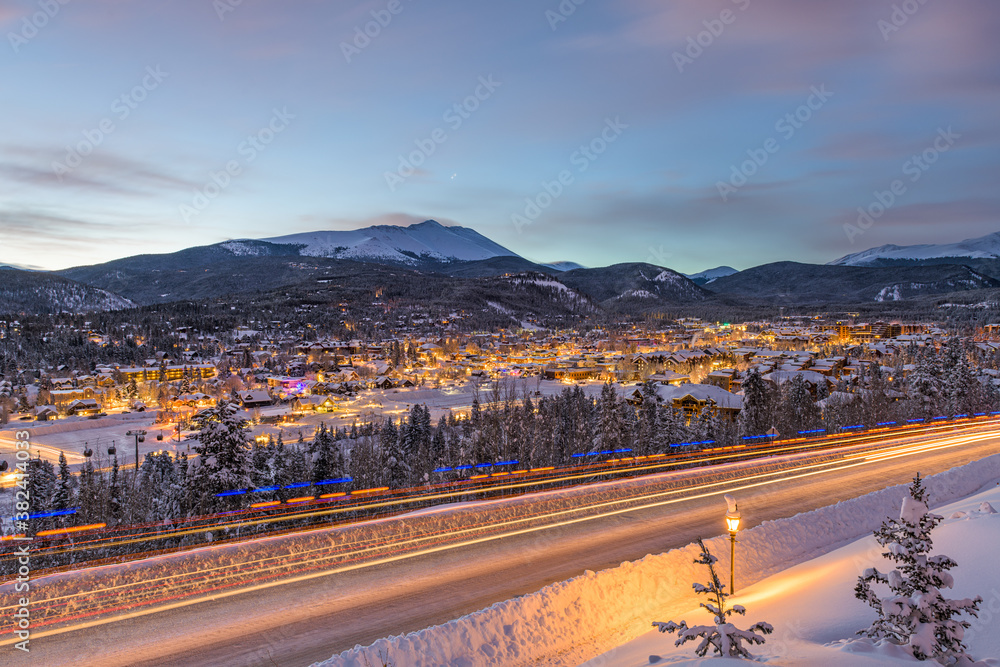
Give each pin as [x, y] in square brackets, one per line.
[732, 563]
[733, 525]
[140, 436]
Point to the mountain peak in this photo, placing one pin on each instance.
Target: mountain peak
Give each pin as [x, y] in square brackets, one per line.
[711, 275]
[426, 223]
[983, 247]
[427, 240]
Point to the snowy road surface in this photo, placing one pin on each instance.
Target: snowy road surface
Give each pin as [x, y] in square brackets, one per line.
[306, 621]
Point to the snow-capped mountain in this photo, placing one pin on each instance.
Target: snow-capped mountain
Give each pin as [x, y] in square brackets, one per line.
[984, 247]
[563, 266]
[428, 240]
[711, 275]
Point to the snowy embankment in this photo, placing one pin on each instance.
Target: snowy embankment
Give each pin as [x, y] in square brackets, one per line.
[572, 621]
[815, 614]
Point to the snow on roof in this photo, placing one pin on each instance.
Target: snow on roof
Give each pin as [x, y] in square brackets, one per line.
[702, 393]
[783, 376]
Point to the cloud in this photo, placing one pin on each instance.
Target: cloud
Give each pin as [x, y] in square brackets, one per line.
[101, 172]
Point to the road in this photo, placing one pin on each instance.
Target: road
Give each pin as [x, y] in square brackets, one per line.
[299, 623]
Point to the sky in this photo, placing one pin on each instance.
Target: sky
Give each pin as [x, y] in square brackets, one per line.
[689, 133]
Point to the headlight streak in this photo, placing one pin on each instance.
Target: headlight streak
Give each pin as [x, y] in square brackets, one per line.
[561, 476]
[411, 548]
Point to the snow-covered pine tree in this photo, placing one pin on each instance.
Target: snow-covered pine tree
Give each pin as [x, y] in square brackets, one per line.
[756, 417]
[223, 448]
[724, 638]
[705, 425]
[325, 464]
[670, 429]
[41, 487]
[798, 410]
[960, 391]
[63, 495]
[609, 419]
[925, 387]
[261, 474]
[915, 615]
[397, 468]
[647, 423]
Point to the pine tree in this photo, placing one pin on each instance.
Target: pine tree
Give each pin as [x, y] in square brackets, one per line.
[646, 433]
[798, 410]
[959, 390]
[916, 615]
[670, 429]
[259, 462]
[41, 485]
[63, 495]
[131, 390]
[609, 416]
[724, 638]
[223, 449]
[325, 461]
[925, 387]
[396, 473]
[757, 414]
[88, 497]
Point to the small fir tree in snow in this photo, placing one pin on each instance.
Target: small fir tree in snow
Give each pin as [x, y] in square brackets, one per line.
[724, 638]
[915, 615]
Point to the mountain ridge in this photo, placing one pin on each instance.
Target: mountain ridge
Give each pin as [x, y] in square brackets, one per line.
[428, 240]
[982, 247]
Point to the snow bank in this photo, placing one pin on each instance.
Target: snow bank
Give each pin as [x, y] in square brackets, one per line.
[815, 614]
[589, 614]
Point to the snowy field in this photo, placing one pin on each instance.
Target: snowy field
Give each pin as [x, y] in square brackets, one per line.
[453, 397]
[74, 434]
[797, 574]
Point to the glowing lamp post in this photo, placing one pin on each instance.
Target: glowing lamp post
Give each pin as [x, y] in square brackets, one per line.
[733, 525]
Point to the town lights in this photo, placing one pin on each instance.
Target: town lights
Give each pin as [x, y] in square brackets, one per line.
[732, 525]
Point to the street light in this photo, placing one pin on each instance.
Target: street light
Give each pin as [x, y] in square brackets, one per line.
[733, 525]
[140, 436]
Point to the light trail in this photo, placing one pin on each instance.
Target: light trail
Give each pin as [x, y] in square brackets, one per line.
[224, 521]
[462, 537]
